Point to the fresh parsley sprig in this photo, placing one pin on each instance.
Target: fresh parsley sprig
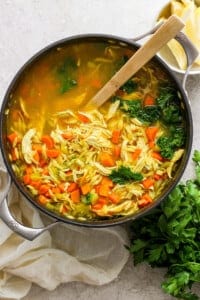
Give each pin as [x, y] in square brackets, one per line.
[170, 237]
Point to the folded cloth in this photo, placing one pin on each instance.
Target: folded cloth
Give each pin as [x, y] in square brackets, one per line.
[67, 253]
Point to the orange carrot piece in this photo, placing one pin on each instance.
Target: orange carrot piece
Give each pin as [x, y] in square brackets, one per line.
[157, 176]
[48, 141]
[85, 188]
[114, 198]
[102, 200]
[36, 156]
[62, 187]
[72, 187]
[97, 206]
[107, 160]
[29, 169]
[136, 153]
[148, 100]
[42, 199]
[147, 183]
[104, 190]
[83, 118]
[64, 209]
[37, 147]
[107, 181]
[117, 151]
[43, 189]
[67, 136]
[157, 156]
[53, 153]
[96, 83]
[36, 184]
[115, 139]
[13, 154]
[145, 200]
[27, 179]
[151, 133]
[55, 190]
[12, 137]
[75, 196]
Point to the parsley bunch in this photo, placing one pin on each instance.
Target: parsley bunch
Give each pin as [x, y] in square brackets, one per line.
[170, 237]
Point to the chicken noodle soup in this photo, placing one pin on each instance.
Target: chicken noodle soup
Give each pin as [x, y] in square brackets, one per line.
[98, 163]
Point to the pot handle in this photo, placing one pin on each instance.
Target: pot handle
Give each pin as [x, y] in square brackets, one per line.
[24, 231]
[189, 48]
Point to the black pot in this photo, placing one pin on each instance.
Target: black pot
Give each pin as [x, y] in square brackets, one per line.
[31, 233]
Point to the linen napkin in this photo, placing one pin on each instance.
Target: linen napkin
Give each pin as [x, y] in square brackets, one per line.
[66, 253]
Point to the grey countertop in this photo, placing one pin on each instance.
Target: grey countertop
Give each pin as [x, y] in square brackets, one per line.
[26, 26]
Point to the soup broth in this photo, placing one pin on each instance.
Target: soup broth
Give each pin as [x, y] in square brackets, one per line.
[97, 163]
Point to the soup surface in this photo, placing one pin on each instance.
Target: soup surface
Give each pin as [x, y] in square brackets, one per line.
[94, 164]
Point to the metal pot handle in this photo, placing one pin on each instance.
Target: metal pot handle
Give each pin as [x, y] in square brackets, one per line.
[24, 231]
[189, 48]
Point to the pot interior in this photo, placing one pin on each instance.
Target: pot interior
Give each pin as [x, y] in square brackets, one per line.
[62, 77]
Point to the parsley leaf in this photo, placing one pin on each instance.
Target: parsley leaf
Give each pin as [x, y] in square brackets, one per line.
[124, 175]
[170, 237]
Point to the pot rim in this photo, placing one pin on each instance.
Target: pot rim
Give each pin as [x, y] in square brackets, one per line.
[105, 222]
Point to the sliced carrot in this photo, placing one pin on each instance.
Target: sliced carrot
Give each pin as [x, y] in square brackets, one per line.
[157, 156]
[147, 183]
[75, 196]
[83, 118]
[114, 198]
[151, 133]
[107, 181]
[43, 189]
[27, 179]
[157, 176]
[102, 200]
[64, 209]
[42, 199]
[12, 137]
[115, 139]
[97, 206]
[85, 188]
[104, 190]
[36, 157]
[62, 187]
[136, 153]
[148, 100]
[37, 147]
[117, 151]
[53, 153]
[107, 159]
[67, 136]
[45, 171]
[97, 187]
[13, 154]
[96, 83]
[144, 201]
[151, 144]
[36, 184]
[29, 169]
[72, 187]
[55, 190]
[48, 141]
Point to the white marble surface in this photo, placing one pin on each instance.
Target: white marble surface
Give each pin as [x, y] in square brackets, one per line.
[26, 26]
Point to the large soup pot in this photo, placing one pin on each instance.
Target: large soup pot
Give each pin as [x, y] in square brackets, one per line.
[31, 233]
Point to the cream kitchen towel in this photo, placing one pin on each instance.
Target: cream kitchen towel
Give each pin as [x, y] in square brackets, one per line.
[66, 253]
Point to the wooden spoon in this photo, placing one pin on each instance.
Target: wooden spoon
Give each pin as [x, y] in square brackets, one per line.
[162, 36]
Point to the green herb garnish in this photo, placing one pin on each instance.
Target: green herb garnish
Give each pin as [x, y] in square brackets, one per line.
[124, 175]
[65, 72]
[170, 237]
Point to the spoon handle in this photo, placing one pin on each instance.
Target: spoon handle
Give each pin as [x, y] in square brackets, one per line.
[161, 37]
